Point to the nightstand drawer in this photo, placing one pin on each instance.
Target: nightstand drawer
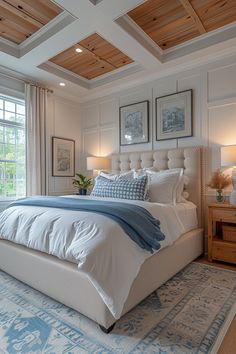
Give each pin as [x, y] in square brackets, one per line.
[224, 251]
[224, 215]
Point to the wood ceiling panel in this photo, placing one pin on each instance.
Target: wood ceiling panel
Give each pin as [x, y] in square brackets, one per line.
[172, 22]
[19, 19]
[105, 50]
[165, 21]
[98, 57]
[215, 13]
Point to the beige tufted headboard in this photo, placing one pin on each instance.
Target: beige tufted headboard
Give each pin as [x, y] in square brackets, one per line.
[187, 158]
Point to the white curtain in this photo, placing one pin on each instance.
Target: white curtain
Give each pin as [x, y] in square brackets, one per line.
[36, 107]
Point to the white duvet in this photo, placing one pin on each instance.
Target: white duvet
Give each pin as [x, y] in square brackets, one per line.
[100, 247]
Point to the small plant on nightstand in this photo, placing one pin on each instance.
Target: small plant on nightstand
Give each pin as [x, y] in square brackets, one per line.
[82, 183]
[219, 181]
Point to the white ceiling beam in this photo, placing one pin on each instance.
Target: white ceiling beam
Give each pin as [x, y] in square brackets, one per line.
[110, 8]
[128, 45]
[60, 41]
[101, 18]
[115, 9]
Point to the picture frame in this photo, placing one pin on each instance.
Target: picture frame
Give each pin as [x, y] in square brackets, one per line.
[63, 157]
[174, 116]
[134, 123]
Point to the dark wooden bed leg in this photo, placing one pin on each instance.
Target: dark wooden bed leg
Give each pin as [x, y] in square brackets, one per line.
[107, 330]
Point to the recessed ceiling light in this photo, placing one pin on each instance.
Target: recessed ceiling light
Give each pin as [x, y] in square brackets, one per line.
[78, 50]
[62, 84]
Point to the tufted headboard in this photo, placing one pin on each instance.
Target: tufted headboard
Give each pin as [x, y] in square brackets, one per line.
[187, 158]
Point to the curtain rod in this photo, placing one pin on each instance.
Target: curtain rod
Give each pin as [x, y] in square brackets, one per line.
[25, 81]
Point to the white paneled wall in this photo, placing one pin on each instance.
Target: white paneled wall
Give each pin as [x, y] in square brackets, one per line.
[214, 113]
[99, 129]
[64, 122]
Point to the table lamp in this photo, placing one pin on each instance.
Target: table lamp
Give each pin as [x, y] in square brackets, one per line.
[228, 159]
[97, 163]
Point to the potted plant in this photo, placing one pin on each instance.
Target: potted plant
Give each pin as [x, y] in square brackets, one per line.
[82, 183]
[219, 181]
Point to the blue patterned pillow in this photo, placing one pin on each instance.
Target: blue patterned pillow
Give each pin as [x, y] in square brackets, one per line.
[134, 189]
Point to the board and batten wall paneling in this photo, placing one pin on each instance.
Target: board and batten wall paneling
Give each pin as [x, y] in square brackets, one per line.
[100, 130]
[90, 116]
[63, 121]
[221, 109]
[222, 83]
[90, 148]
[214, 112]
[109, 127]
[222, 130]
[108, 135]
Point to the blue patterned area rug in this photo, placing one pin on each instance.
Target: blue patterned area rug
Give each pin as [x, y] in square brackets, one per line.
[188, 314]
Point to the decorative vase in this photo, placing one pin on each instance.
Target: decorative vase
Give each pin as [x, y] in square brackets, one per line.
[219, 196]
[83, 191]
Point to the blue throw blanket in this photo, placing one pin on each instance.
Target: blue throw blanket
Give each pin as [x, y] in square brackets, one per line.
[136, 221]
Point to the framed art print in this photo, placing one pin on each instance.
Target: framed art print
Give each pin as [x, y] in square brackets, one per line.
[174, 116]
[63, 157]
[134, 123]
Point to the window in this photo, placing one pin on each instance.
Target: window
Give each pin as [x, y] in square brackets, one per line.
[12, 147]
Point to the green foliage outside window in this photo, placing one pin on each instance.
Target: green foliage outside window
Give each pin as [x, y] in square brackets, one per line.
[12, 147]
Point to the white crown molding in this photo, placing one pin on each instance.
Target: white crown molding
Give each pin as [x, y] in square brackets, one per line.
[115, 75]
[140, 36]
[9, 47]
[202, 36]
[204, 41]
[64, 74]
[110, 73]
[90, 84]
[16, 75]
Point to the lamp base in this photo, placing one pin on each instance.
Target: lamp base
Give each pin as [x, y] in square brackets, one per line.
[232, 197]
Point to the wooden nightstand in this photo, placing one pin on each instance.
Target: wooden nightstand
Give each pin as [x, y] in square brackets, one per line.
[220, 215]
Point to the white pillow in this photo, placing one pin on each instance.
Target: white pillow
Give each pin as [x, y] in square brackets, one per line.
[181, 194]
[114, 177]
[163, 185]
[143, 171]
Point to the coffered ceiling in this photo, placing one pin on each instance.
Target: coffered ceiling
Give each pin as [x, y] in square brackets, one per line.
[21, 18]
[91, 57]
[172, 22]
[118, 43]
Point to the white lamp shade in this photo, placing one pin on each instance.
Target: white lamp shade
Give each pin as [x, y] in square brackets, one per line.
[228, 156]
[97, 163]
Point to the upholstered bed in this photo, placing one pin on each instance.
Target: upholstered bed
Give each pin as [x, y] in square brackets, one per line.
[63, 281]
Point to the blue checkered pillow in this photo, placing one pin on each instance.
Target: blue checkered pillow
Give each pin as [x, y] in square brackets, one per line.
[135, 189]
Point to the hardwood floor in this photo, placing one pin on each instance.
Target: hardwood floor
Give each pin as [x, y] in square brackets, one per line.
[228, 345]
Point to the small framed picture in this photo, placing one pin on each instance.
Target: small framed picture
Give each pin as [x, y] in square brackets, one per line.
[63, 157]
[134, 123]
[174, 116]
